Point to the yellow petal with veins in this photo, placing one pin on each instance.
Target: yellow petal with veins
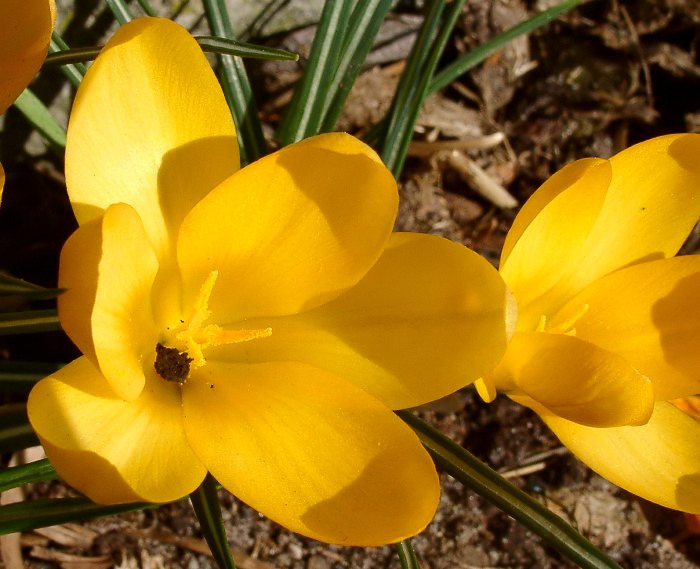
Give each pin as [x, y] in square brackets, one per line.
[149, 127]
[310, 451]
[114, 450]
[574, 379]
[25, 33]
[658, 461]
[650, 314]
[108, 269]
[430, 317]
[291, 231]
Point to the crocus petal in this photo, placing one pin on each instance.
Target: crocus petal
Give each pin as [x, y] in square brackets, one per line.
[650, 314]
[25, 32]
[290, 231]
[560, 252]
[110, 449]
[430, 317]
[108, 269]
[310, 451]
[549, 234]
[574, 379]
[149, 127]
[658, 461]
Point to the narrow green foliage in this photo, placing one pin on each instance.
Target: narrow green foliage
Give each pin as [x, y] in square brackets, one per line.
[146, 7]
[226, 46]
[36, 113]
[20, 377]
[304, 115]
[474, 474]
[365, 21]
[476, 56]
[26, 516]
[28, 321]
[120, 9]
[236, 86]
[410, 91]
[74, 72]
[38, 471]
[11, 286]
[205, 502]
[15, 431]
[407, 555]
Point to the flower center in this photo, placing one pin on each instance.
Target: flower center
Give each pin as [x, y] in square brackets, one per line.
[182, 347]
[566, 325]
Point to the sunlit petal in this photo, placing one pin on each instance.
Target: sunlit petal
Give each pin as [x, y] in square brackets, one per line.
[107, 269]
[290, 231]
[549, 236]
[649, 314]
[149, 127]
[658, 461]
[25, 32]
[430, 317]
[311, 452]
[110, 449]
[574, 379]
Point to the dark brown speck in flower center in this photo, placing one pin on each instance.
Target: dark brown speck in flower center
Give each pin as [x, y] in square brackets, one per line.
[171, 364]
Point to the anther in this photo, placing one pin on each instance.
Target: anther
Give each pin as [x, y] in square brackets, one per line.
[171, 364]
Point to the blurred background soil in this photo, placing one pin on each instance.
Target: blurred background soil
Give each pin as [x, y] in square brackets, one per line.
[605, 76]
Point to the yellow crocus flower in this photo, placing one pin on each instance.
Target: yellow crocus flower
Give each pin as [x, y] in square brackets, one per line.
[25, 33]
[258, 323]
[608, 319]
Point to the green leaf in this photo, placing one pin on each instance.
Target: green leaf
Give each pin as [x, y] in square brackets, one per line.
[36, 113]
[304, 115]
[407, 555]
[205, 502]
[478, 55]
[236, 85]
[25, 516]
[146, 7]
[473, 473]
[28, 321]
[121, 11]
[38, 471]
[20, 377]
[364, 24]
[228, 46]
[72, 56]
[12, 286]
[73, 71]
[15, 431]
[414, 83]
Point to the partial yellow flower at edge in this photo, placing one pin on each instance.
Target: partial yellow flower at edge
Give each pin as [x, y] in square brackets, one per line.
[258, 323]
[609, 319]
[25, 33]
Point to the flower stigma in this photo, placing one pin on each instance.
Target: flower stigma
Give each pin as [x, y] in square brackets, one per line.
[192, 336]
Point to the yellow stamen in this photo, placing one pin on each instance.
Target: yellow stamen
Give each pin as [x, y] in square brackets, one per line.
[193, 336]
[567, 327]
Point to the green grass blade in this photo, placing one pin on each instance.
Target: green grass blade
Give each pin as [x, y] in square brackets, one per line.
[407, 555]
[38, 471]
[71, 56]
[476, 56]
[120, 9]
[237, 89]
[20, 377]
[36, 113]
[15, 431]
[304, 115]
[226, 46]
[26, 516]
[473, 473]
[146, 7]
[74, 72]
[399, 122]
[205, 502]
[28, 322]
[365, 21]
[12, 286]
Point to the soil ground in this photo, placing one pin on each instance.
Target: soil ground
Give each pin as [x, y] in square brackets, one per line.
[603, 77]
